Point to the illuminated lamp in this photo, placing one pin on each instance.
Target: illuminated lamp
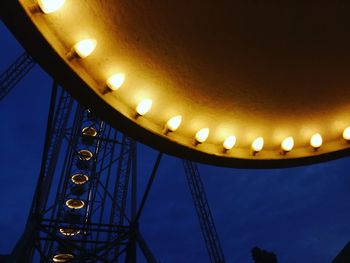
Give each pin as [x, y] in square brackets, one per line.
[85, 47]
[50, 6]
[229, 143]
[89, 131]
[85, 155]
[202, 135]
[257, 145]
[89, 134]
[316, 141]
[346, 134]
[115, 81]
[69, 231]
[75, 203]
[287, 144]
[143, 107]
[79, 178]
[174, 123]
[62, 257]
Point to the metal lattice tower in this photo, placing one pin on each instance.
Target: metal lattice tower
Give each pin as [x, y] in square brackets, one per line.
[15, 73]
[80, 212]
[87, 221]
[205, 217]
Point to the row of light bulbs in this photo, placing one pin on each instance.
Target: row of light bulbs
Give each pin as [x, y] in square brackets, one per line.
[257, 145]
[85, 47]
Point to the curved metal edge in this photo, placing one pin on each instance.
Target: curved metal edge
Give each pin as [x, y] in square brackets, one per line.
[27, 34]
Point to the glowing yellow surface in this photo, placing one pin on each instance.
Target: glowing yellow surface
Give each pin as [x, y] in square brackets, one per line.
[251, 85]
[50, 6]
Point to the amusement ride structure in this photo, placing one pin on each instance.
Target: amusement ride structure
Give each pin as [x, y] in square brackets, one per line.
[80, 207]
[234, 83]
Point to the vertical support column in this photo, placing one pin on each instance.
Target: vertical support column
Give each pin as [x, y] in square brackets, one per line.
[134, 181]
[131, 252]
[135, 236]
[134, 201]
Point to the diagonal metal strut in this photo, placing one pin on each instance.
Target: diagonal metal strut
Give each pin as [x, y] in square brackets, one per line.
[205, 217]
[15, 73]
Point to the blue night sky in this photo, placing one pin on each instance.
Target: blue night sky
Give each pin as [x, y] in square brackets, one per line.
[301, 214]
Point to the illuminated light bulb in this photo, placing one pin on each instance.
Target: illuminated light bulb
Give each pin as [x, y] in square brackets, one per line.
[50, 6]
[85, 47]
[144, 107]
[174, 123]
[258, 144]
[287, 144]
[202, 135]
[116, 81]
[346, 134]
[229, 142]
[316, 140]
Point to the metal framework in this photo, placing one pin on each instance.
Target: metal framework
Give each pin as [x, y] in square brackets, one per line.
[205, 217]
[15, 73]
[79, 211]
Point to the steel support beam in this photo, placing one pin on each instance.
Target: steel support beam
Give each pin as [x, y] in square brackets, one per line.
[104, 229]
[205, 217]
[148, 187]
[15, 73]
